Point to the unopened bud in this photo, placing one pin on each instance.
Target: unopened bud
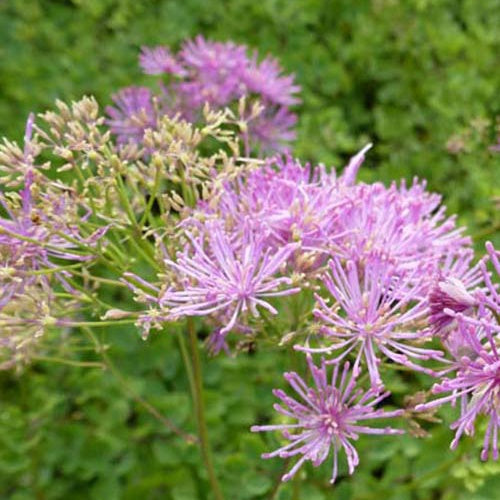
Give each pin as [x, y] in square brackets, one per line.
[287, 338]
[116, 314]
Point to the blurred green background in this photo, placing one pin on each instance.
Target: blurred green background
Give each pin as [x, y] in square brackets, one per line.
[419, 78]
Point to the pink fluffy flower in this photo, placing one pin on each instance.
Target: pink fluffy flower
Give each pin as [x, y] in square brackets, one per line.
[214, 73]
[474, 373]
[158, 60]
[285, 202]
[226, 278]
[476, 383]
[376, 312]
[274, 129]
[448, 294]
[266, 80]
[491, 297]
[326, 418]
[403, 224]
[132, 114]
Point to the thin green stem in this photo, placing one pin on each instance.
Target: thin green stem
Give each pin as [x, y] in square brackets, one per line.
[99, 324]
[105, 281]
[88, 296]
[200, 411]
[101, 252]
[144, 251]
[187, 362]
[70, 362]
[108, 364]
[51, 270]
[122, 194]
[39, 243]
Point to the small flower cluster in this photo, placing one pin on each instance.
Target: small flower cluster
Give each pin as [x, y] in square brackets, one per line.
[468, 321]
[40, 233]
[76, 205]
[214, 73]
[386, 265]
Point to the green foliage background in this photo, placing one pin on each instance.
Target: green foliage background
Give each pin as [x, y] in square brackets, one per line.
[409, 76]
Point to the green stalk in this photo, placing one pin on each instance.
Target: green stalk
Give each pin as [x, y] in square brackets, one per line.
[108, 364]
[105, 281]
[144, 251]
[99, 324]
[200, 411]
[186, 361]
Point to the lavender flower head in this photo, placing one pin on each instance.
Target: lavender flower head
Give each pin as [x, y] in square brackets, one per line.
[132, 114]
[375, 312]
[266, 80]
[491, 299]
[158, 60]
[227, 278]
[32, 232]
[327, 417]
[214, 70]
[213, 73]
[405, 225]
[35, 226]
[286, 202]
[449, 294]
[476, 383]
[474, 375]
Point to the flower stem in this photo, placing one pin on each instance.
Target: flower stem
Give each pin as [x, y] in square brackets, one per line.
[122, 381]
[70, 362]
[187, 362]
[200, 411]
[99, 324]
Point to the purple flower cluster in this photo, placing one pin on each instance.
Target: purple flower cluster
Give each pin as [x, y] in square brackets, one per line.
[36, 228]
[391, 275]
[39, 230]
[132, 115]
[376, 313]
[214, 73]
[469, 324]
[368, 276]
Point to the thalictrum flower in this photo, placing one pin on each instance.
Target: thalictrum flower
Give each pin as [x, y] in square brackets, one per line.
[40, 224]
[375, 312]
[491, 298]
[326, 417]
[266, 80]
[476, 382]
[215, 73]
[158, 60]
[132, 114]
[285, 202]
[448, 294]
[405, 225]
[219, 276]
